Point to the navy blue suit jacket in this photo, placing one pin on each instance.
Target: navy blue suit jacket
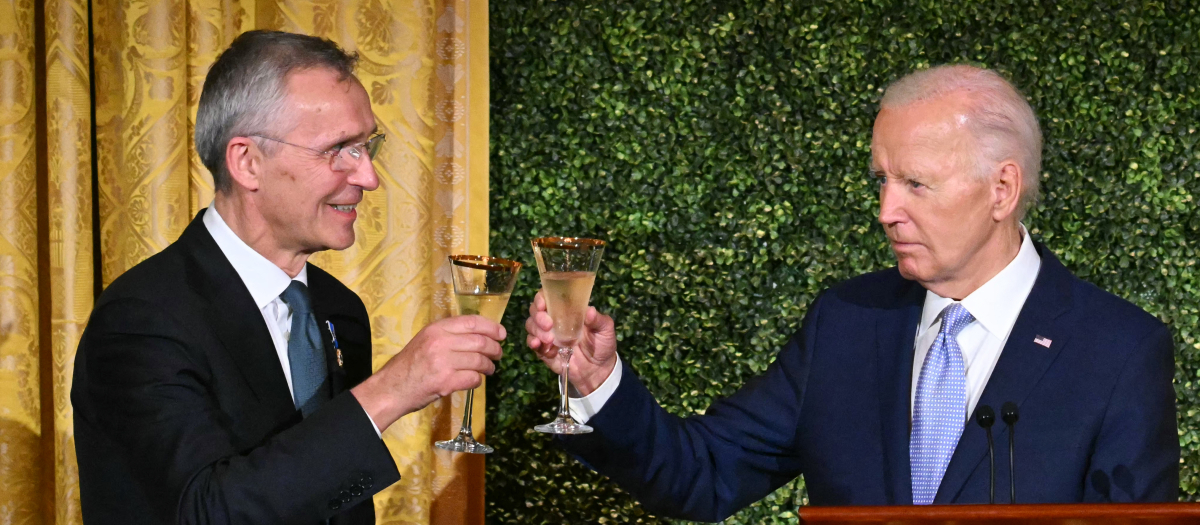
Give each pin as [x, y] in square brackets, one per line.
[1097, 410]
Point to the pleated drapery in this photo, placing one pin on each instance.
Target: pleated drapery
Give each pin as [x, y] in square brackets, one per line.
[98, 172]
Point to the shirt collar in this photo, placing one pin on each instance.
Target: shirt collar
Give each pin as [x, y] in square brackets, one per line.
[264, 280]
[997, 303]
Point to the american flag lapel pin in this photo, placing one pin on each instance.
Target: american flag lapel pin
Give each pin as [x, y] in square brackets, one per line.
[1042, 340]
[333, 337]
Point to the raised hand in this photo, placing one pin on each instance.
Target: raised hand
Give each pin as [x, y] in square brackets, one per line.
[444, 357]
[595, 354]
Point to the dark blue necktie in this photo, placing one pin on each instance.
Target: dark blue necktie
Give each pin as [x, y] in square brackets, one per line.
[940, 409]
[310, 385]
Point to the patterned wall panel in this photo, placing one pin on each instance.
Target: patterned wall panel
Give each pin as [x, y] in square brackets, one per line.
[141, 128]
[20, 403]
[69, 148]
[211, 26]
[460, 168]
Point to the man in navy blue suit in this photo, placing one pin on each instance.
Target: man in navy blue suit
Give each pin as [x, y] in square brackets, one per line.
[871, 399]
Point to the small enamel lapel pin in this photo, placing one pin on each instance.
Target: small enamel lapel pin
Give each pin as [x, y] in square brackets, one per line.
[338, 349]
[1042, 340]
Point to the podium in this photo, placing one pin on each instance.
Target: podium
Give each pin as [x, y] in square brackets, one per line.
[1005, 514]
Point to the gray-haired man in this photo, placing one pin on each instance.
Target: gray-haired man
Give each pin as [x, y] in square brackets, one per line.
[226, 380]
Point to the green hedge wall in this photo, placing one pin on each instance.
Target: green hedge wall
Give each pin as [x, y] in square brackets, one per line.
[722, 149]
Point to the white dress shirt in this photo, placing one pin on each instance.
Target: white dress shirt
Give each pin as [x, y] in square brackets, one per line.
[266, 282]
[995, 306]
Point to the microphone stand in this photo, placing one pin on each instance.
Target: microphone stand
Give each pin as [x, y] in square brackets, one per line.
[1010, 414]
[986, 417]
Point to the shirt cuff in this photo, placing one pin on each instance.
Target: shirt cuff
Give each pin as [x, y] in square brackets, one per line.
[583, 408]
[373, 425]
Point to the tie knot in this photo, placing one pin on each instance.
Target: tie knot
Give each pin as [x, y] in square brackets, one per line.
[296, 297]
[954, 318]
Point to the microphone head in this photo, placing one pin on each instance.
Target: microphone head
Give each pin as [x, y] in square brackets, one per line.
[1009, 412]
[985, 416]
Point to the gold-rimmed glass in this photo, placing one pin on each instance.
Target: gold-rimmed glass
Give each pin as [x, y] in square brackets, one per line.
[568, 269]
[482, 286]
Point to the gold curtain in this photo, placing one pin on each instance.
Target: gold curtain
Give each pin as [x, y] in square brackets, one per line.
[138, 67]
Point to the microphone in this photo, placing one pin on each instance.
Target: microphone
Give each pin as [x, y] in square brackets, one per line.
[986, 417]
[1010, 414]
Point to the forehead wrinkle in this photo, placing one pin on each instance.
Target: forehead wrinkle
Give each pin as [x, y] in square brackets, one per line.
[947, 142]
[938, 138]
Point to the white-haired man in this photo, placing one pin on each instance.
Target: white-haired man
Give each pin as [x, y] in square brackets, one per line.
[870, 400]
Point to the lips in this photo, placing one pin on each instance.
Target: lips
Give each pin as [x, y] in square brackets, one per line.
[344, 208]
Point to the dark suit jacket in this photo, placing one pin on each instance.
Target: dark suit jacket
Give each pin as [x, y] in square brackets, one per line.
[183, 414]
[1097, 410]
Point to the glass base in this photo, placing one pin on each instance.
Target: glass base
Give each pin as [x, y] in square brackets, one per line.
[464, 443]
[562, 425]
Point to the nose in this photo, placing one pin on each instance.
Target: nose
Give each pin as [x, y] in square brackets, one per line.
[363, 175]
[891, 204]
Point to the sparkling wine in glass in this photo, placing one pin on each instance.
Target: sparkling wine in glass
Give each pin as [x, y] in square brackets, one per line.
[482, 286]
[568, 268]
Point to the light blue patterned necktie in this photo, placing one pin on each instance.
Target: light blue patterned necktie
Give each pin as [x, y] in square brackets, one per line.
[310, 385]
[941, 406]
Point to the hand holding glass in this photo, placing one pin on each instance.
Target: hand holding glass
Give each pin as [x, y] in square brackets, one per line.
[568, 268]
[482, 286]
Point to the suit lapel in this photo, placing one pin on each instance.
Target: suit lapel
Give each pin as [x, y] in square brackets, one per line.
[237, 321]
[1022, 364]
[895, 331]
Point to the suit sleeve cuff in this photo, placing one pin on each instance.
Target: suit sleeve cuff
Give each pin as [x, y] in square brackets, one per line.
[583, 408]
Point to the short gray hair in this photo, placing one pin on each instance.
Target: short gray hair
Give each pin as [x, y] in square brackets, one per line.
[246, 87]
[998, 116]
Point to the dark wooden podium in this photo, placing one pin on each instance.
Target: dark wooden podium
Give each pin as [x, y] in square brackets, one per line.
[1074, 514]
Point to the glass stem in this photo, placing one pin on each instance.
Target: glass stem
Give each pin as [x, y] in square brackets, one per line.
[564, 382]
[466, 420]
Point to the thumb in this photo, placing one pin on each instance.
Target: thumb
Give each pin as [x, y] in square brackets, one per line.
[602, 333]
[598, 322]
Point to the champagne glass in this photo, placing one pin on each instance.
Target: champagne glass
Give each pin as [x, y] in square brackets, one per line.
[568, 269]
[482, 286]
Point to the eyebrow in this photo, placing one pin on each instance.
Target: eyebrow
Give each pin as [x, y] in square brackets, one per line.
[343, 139]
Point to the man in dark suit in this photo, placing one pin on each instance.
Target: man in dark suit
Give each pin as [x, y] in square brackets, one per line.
[225, 379]
[870, 399]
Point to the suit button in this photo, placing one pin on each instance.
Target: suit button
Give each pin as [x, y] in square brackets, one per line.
[335, 504]
[346, 498]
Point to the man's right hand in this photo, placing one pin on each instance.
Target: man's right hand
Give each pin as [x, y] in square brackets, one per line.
[595, 355]
[444, 357]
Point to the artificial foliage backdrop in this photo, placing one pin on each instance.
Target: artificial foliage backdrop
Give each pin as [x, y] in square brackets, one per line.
[722, 149]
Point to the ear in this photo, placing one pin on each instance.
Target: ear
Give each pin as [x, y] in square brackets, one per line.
[1006, 191]
[243, 161]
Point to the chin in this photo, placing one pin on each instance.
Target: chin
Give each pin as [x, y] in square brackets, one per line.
[340, 242]
[908, 269]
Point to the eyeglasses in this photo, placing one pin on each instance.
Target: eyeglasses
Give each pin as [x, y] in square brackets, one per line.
[343, 157]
